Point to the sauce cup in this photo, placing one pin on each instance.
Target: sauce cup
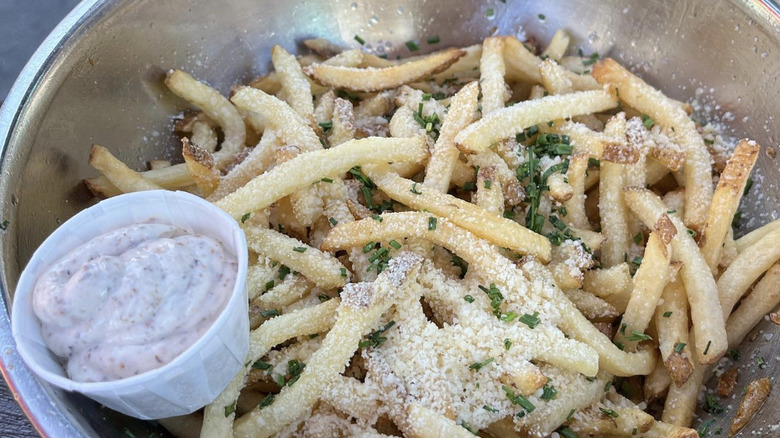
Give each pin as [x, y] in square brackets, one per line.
[192, 379]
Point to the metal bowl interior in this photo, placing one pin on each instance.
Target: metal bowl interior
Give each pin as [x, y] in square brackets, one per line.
[96, 79]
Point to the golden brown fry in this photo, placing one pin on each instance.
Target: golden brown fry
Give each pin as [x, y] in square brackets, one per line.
[666, 113]
[215, 105]
[311, 167]
[121, 176]
[756, 394]
[509, 121]
[378, 79]
[491, 80]
[487, 225]
[725, 200]
[294, 83]
[200, 164]
[671, 318]
[699, 284]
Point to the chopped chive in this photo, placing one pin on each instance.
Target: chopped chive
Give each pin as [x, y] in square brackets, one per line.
[432, 223]
[592, 162]
[283, 272]
[489, 409]
[542, 16]
[711, 405]
[269, 313]
[468, 299]
[323, 297]
[269, 285]
[707, 348]
[733, 354]
[671, 211]
[518, 399]
[326, 180]
[507, 344]
[414, 189]
[412, 46]
[326, 125]
[488, 183]
[469, 427]
[333, 221]
[623, 329]
[376, 217]
[433, 40]
[243, 218]
[489, 12]
[565, 432]
[300, 249]
[343, 272]
[637, 336]
[607, 386]
[679, 347]
[395, 244]
[571, 414]
[609, 412]
[761, 362]
[549, 392]
[266, 401]
[531, 320]
[260, 365]
[368, 247]
[476, 366]
[229, 409]
[592, 59]
[360, 40]
[647, 121]
[638, 238]
[509, 317]
[667, 314]
[748, 185]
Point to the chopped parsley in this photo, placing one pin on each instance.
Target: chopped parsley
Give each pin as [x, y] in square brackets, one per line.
[531, 320]
[761, 362]
[243, 219]
[476, 366]
[375, 338]
[704, 429]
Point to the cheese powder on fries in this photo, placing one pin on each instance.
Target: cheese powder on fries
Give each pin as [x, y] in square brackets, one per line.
[475, 241]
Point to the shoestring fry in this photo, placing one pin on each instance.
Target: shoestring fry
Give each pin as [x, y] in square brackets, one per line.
[428, 259]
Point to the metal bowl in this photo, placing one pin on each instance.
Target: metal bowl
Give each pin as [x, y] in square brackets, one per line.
[96, 80]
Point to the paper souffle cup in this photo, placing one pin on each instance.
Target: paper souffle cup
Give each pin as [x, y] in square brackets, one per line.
[195, 377]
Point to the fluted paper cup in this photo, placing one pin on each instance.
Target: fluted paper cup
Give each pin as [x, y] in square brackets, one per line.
[195, 377]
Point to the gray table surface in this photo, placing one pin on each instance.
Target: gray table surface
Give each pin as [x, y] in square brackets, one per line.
[23, 26]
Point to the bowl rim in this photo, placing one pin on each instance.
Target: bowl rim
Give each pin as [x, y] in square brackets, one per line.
[22, 383]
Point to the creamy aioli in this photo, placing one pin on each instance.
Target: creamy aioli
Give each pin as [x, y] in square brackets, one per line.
[132, 299]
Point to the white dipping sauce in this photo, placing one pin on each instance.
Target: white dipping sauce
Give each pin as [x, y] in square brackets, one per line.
[132, 299]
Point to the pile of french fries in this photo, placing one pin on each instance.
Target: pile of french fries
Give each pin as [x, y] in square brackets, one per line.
[480, 240]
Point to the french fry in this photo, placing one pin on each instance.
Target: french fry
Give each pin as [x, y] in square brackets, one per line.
[511, 120]
[649, 282]
[489, 194]
[485, 224]
[215, 105]
[491, 80]
[323, 47]
[671, 319]
[726, 199]
[700, 286]
[294, 83]
[290, 290]
[426, 423]
[121, 176]
[343, 124]
[321, 268]
[291, 128]
[200, 164]
[591, 306]
[276, 330]
[612, 284]
[613, 214]
[756, 393]
[258, 161]
[204, 136]
[361, 308]
[746, 268]
[756, 235]
[524, 65]
[575, 206]
[492, 265]
[754, 307]
[311, 167]
[373, 79]
[445, 155]
[558, 45]
[667, 113]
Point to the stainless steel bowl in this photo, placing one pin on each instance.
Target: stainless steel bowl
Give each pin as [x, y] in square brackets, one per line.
[96, 80]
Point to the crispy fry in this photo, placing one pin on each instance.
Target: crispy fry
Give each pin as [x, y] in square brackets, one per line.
[373, 79]
[311, 167]
[426, 423]
[200, 164]
[699, 283]
[117, 172]
[671, 318]
[491, 80]
[726, 199]
[668, 114]
[511, 120]
[216, 107]
[294, 83]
